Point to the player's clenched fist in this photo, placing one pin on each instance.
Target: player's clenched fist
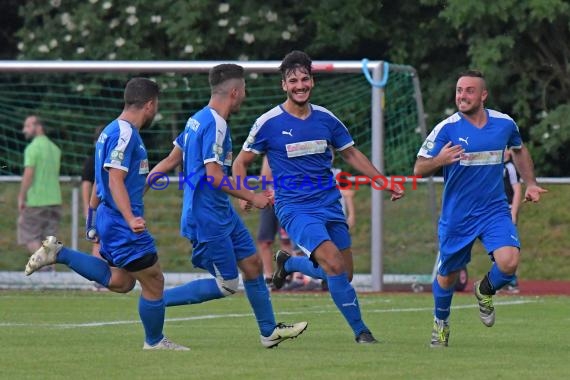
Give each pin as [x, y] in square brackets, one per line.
[260, 200]
[245, 205]
[137, 224]
[397, 192]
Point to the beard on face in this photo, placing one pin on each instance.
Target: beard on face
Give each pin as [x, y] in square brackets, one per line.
[471, 110]
[147, 123]
[28, 135]
[299, 103]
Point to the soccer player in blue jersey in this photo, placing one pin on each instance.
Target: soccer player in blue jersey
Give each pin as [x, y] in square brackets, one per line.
[221, 243]
[121, 166]
[296, 137]
[469, 146]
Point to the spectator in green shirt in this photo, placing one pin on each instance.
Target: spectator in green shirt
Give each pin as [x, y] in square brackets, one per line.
[39, 200]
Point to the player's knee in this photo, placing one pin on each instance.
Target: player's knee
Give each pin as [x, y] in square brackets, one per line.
[509, 267]
[508, 264]
[447, 281]
[333, 267]
[124, 287]
[227, 287]
[255, 262]
[251, 267]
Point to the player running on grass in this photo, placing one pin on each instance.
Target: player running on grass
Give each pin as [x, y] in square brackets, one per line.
[221, 243]
[121, 166]
[296, 137]
[469, 145]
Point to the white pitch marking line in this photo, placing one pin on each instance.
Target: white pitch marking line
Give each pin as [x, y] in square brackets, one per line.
[217, 316]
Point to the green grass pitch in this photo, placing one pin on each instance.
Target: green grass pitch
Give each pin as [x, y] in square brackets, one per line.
[88, 335]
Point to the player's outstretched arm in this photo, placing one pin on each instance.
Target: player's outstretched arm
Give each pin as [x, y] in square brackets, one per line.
[166, 165]
[360, 162]
[241, 163]
[426, 167]
[239, 172]
[523, 162]
[218, 180]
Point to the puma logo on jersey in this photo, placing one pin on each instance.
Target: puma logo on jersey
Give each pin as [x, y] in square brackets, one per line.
[464, 140]
[290, 132]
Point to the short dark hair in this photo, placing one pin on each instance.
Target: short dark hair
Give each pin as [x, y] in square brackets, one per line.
[471, 73]
[140, 91]
[226, 71]
[296, 60]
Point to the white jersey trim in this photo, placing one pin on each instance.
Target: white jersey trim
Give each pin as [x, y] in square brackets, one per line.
[345, 146]
[125, 135]
[323, 109]
[115, 166]
[430, 140]
[259, 123]
[221, 130]
[207, 161]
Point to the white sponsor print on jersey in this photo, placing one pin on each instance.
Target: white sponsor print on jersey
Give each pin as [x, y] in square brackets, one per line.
[143, 168]
[192, 124]
[304, 148]
[489, 157]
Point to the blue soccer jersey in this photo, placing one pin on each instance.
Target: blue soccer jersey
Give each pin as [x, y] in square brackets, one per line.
[207, 213]
[299, 155]
[474, 190]
[120, 146]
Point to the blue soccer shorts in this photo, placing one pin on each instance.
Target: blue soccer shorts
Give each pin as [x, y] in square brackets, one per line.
[119, 245]
[494, 233]
[220, 257]
[310, 228]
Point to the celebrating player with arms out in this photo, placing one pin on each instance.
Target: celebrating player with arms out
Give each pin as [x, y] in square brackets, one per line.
[296, 137]
[121, 166]
[220, 241]
[469, 145]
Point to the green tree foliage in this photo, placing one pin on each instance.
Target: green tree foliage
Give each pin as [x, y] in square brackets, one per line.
[521, 46]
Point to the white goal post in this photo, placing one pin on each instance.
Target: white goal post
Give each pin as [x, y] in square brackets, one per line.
[379, 74]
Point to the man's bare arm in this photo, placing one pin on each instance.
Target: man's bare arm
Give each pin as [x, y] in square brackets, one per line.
[523, 163]
[167, 164]
[27, 180]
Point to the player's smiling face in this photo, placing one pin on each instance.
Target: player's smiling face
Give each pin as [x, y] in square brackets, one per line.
[470, 94]
[298, 84]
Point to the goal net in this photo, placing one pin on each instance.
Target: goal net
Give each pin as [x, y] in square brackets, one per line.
[73, 104]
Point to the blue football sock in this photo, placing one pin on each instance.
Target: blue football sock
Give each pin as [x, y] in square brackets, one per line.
[90, 267]
[442, 300]
[346, 301]
[196, 291]
[258, 297]
[498, 279]
[304, 265]
[152, 317]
